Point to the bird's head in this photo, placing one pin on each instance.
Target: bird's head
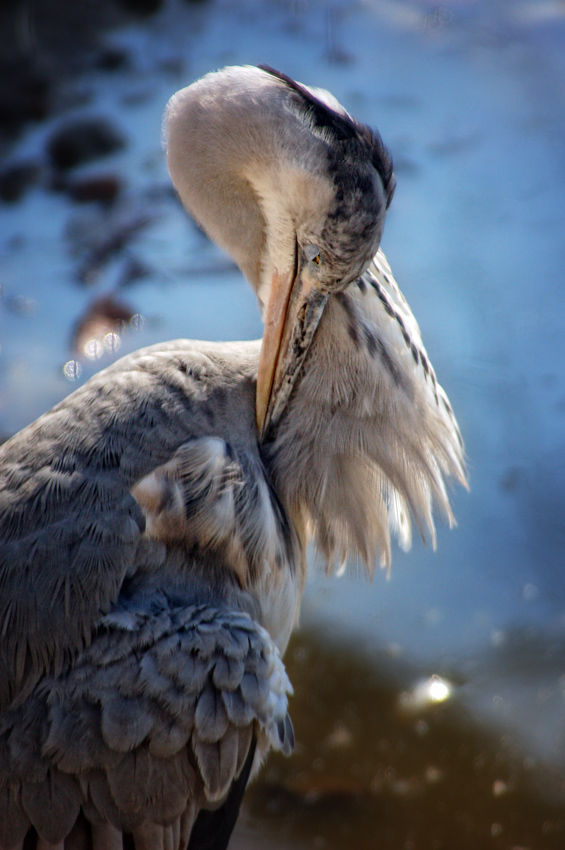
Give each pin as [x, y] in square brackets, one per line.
[294, 188]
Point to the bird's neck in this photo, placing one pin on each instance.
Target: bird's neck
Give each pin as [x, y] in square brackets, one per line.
[314, 454]
[249, 177]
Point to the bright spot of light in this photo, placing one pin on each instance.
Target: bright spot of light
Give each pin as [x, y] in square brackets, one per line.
[426, 693]
[137, 322]
[72, 370]
[438, 690]
[93, 349]
[112, 342]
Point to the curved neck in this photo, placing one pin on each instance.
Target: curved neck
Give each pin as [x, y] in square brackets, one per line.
[208, 175]
[246, 174]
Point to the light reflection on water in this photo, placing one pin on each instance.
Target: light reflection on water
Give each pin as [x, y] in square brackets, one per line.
[368, 774]
[424, 694]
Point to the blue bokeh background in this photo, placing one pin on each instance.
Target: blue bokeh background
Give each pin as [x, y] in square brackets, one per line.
[470, 98]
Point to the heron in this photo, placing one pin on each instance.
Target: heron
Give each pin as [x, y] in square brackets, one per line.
[154, 524]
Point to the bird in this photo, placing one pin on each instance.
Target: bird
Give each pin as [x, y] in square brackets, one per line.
[154, 524]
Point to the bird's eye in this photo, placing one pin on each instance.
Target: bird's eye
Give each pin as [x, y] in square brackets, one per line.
[313, 254]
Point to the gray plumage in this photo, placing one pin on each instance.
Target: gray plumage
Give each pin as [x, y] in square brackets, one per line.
[153, 525]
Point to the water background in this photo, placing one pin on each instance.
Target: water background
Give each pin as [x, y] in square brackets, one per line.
[470, 97]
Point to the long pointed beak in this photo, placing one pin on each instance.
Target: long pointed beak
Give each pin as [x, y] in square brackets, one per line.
[294, 311]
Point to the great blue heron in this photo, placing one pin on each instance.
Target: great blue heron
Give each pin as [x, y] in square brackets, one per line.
[154, 523]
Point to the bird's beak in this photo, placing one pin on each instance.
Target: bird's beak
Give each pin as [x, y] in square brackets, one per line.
[294, 311]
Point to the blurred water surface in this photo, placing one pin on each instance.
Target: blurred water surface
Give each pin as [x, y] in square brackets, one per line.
[469, 96]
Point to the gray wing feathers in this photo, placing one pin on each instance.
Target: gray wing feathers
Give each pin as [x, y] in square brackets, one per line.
[52, 805]
[154, 720]
[69, 527]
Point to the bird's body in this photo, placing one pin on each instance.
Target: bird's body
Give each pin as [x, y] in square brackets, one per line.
[154, 524]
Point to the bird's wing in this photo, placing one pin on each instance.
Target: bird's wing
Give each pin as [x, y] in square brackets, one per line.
[156, 719]
[69, 526]
[136, 685]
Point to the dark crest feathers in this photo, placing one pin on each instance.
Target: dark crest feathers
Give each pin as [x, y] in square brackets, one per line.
[342, 128]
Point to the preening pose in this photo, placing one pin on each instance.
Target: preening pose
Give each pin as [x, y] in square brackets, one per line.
[153, 525]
